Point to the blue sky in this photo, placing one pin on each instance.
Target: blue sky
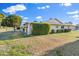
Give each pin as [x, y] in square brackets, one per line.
[42, 11]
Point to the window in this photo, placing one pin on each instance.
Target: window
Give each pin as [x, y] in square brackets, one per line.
[62, 26]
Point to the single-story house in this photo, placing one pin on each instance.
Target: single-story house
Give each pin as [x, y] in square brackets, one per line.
[55, 25]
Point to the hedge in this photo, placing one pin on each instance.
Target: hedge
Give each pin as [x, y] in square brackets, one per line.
[40, 28]
[67, 30]
[59, 31]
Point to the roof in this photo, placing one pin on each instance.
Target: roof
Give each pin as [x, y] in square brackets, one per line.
[54, 21]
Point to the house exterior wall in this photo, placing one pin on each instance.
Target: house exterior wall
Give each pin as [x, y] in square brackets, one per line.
[59, 27]
[52, 27]
[72, 27]
[56, 27]
[66, 27]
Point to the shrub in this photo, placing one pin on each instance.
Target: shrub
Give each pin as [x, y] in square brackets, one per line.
[40, 28]
[59, 31]
[18, 28]
[52, 31]
[67, 30]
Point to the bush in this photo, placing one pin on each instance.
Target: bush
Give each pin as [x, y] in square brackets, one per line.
[18, 28]
[67, 30]
[40, 28]
[52, 31]
[59, 31]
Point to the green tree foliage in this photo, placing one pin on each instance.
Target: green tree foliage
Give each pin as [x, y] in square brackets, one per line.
[12, 21]
[2, 16]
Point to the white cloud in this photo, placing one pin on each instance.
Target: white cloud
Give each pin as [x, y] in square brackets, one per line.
[38, 8]
[47, 6]
[73, 12]
[44, 7]
[14, 9]
[75, 17]
[66, 4]
[25, 17]
[39, 17]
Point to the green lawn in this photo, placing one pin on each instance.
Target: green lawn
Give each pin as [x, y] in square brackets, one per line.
[15, 43]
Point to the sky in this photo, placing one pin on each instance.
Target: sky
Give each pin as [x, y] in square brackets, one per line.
[65, 12]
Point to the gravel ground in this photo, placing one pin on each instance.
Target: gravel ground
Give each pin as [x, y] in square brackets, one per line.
[70, 49]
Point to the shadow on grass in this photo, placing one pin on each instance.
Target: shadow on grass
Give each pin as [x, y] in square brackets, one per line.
[11, 35]
[70, 49]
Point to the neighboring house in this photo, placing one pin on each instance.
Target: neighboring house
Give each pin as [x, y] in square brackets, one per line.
[77, 27]
[55, 24]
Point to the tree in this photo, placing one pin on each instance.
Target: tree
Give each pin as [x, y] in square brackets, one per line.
[2, 16]
[12, 21]
[35, 21]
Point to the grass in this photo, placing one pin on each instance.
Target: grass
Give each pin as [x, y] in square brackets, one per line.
[18, 50]
[69, 35]
[18, 44]
[7, 44]
[15, 50]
